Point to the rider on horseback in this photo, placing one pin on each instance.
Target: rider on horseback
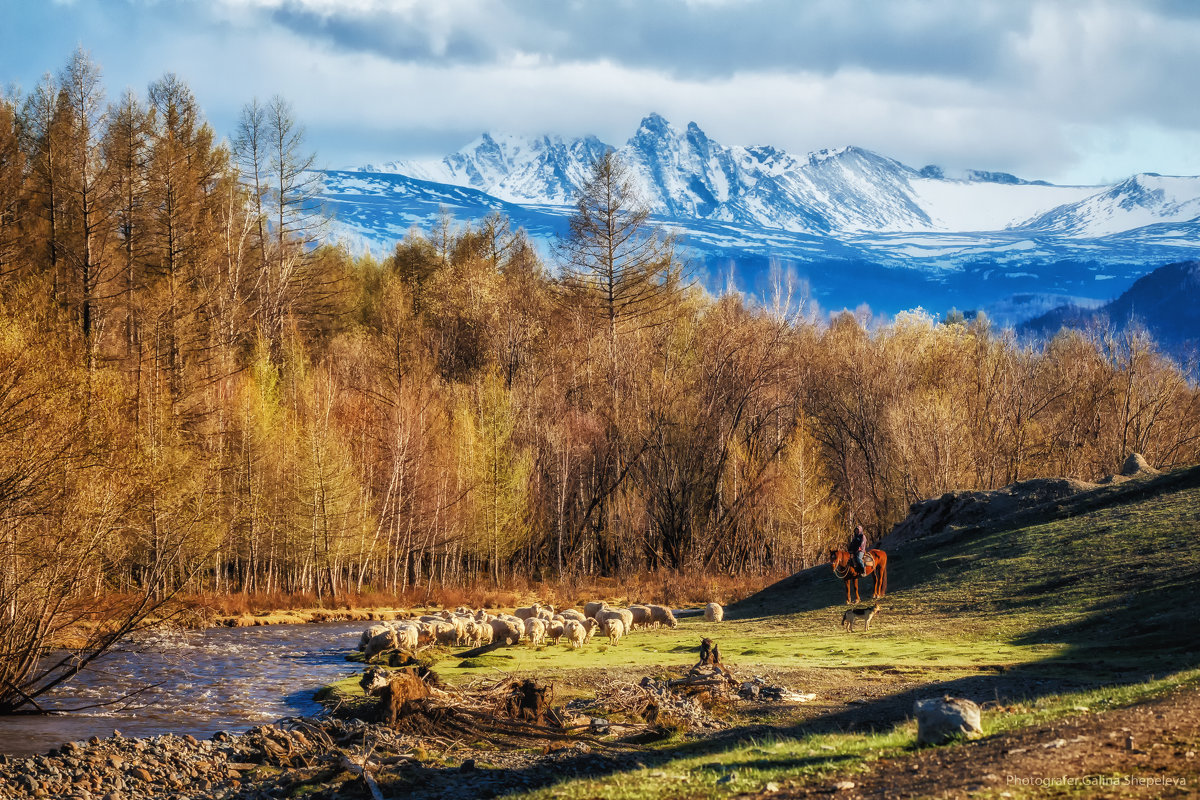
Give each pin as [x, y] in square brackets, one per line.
[858, 545]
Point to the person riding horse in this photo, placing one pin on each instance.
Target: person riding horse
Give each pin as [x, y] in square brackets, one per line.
[858, 546]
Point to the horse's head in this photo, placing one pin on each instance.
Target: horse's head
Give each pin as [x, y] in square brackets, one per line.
[833, 555]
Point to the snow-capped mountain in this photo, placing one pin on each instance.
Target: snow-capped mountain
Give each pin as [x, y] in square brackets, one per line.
[1135, 202]
[686, 175]
[856, 225]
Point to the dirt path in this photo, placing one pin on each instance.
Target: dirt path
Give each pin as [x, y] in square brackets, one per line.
[1148, 750]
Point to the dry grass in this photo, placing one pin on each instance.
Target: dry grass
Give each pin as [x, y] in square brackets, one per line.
[670, 588]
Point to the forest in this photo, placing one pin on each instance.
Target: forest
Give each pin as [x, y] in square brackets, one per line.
[200, 393]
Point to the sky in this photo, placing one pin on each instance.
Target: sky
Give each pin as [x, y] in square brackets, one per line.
[1070, 91]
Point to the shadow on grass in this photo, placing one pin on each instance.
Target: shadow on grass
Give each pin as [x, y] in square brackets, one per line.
[1101, 579]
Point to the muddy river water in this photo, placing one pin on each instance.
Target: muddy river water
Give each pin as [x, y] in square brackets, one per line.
[203, 681]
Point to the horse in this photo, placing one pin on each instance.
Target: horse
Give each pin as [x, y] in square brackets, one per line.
[845, 568]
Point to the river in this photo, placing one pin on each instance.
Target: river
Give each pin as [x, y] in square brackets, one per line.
[218, 679]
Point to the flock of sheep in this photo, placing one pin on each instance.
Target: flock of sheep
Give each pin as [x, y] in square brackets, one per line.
[537, 624]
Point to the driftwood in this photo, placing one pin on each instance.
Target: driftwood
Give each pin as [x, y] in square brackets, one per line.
[361, 771]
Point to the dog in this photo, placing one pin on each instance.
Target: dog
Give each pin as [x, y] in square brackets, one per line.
[853, 614]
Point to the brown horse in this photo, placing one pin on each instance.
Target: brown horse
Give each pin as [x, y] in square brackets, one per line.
[845, 568]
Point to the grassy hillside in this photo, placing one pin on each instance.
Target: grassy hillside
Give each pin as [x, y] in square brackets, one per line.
[1091, 602]
[1108, 576]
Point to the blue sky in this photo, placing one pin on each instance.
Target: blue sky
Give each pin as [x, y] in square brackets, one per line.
[1074, 91]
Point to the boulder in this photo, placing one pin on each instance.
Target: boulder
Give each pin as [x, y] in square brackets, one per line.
[940, 719]
[1137, 465]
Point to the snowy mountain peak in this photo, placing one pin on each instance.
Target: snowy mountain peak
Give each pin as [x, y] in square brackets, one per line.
[684, 174]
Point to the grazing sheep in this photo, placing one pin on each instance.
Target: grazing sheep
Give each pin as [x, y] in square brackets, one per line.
[444, 633]
[545, 613]
[460, 629]
[575, 633]
[407, 637]
[572, 613]
[506, 631]
[525, 612]
[642, 617]
[535, 631]
[713, 612]
[661, 615]
[369, 634]
[614, 629]
[555, 630]
[385, 640]
[623, 614]
[483, 634]
[590, 609]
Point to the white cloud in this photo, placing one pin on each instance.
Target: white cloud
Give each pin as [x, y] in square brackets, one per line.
[1061, 91]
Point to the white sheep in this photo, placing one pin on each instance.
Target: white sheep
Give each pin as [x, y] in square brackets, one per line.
[575, 633]
[614, 629]
[623, 614]
[445, 633]
[590, 626]
[661, 615]
[590, 609]
[572, 613]
[369, 634]
[525, 612]
[407, 637]
[642, 616]
[713, 612]
[535, 631]
[385, 640]
[505, 630]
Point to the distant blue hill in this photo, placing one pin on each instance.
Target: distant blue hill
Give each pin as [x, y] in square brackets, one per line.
[1164, 302]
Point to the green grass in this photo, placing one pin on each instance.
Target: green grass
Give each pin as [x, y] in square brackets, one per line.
[1087, 602]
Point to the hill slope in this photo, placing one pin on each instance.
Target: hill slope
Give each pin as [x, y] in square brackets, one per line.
[1164, 302]
[1107, 573]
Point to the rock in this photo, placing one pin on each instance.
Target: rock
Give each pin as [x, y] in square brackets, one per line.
[771, 787]
[141, 774]
[728, 778]
[467, 766]
[942, 719]
[1137, 465]
[843, 786]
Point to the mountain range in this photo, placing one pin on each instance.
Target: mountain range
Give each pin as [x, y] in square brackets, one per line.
[854, 225]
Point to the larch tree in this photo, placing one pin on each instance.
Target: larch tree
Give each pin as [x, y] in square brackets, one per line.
[284, 188]
[127, 152]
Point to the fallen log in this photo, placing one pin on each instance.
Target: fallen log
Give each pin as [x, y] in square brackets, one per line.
[361, 771]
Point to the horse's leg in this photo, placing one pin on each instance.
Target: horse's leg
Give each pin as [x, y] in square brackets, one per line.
[847, 591]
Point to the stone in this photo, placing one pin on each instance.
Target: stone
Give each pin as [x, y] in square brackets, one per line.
[843, 786]
[941, 719]
[141, 774]
[771, 786]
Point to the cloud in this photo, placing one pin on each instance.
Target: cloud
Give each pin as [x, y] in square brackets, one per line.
[1041, 89]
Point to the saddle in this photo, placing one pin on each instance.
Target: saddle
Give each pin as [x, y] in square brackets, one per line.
[868, 560]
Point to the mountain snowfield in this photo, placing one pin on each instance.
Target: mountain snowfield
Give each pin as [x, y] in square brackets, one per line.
[856, 225]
